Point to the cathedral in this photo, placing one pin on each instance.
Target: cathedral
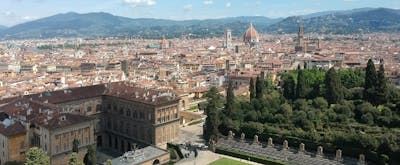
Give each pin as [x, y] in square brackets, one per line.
[251, 36]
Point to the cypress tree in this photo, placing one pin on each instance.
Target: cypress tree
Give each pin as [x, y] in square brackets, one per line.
[289, 88]
[230, 98]
[259, 87]
[381, 86]
[302, 86]
[370, 82]
[333, 85]
[252, 89]
[212, 111]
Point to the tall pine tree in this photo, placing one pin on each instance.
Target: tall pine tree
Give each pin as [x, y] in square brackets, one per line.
[333, 85]
[370, 81]
[289, 87]
[302, 85]
[259, 87]
[230, 99]
[252, 89]
[381, 87]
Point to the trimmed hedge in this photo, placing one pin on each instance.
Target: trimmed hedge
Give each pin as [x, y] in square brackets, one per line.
[246, 156]
[176, 148]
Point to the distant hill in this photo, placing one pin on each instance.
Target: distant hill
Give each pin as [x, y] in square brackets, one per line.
[3, 27]
[318, 14]
[358, 21]
[364, 20]
[104, 24]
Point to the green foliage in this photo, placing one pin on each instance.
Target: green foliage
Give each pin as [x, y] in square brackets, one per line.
[351, 78]
[226, 161]
[36, 156]
[333, 87]
[75, 145]
[230, 100]
[252, 128]
[90, 156]
[13, 163]
[213, 109]
[381, 87]
[175, 147]
[74, 159]
[370, 81]
[302, 87]
[289, 87]
[260, 85]
[350, 123]
[108, 162]
[252, 89]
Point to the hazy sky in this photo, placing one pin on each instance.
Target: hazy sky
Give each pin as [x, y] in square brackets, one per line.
[16, 11]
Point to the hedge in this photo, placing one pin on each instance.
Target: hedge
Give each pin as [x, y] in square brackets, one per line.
[248, 157]
[176, 148]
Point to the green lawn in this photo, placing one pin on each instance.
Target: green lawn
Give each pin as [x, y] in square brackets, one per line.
[226, 161]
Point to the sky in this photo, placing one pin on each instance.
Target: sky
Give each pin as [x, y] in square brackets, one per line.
[18, 11]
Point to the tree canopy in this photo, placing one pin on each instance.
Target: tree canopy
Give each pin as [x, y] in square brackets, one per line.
[36, 156]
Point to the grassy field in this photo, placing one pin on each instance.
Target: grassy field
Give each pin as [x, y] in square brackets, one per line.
[226, 161]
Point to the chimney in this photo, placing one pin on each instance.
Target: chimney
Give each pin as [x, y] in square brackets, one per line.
[136, 94]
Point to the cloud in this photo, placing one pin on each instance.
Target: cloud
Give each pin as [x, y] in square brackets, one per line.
[188, 7]
[27, 18]
[301, 12]
[208, 2]
[228, 4]
[135, 3]
[10, 18]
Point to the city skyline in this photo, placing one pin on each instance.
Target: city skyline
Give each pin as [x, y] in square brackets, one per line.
[19, 11]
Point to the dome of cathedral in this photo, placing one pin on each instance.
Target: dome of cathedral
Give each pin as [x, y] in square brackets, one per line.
[251, 35]
[164, 42]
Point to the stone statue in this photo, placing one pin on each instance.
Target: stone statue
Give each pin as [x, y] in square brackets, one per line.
[302, 147]
[211, 144]
[230, 135]
[361, 159]
[270, 143]
[255, 140]
[339, 155]
[242, 137]
[285, 145]
[320, 151]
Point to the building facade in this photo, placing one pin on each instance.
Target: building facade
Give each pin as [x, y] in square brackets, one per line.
[114, 116]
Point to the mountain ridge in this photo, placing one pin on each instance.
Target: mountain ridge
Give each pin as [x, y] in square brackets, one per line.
[101, 24]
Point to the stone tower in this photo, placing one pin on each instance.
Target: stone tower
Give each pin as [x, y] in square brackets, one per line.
[300, 46]
[228, 38]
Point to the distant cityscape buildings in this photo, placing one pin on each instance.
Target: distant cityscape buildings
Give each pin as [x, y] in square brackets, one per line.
[118, 93]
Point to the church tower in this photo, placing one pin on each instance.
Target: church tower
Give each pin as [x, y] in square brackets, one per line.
[228, 38]
[300, 46]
